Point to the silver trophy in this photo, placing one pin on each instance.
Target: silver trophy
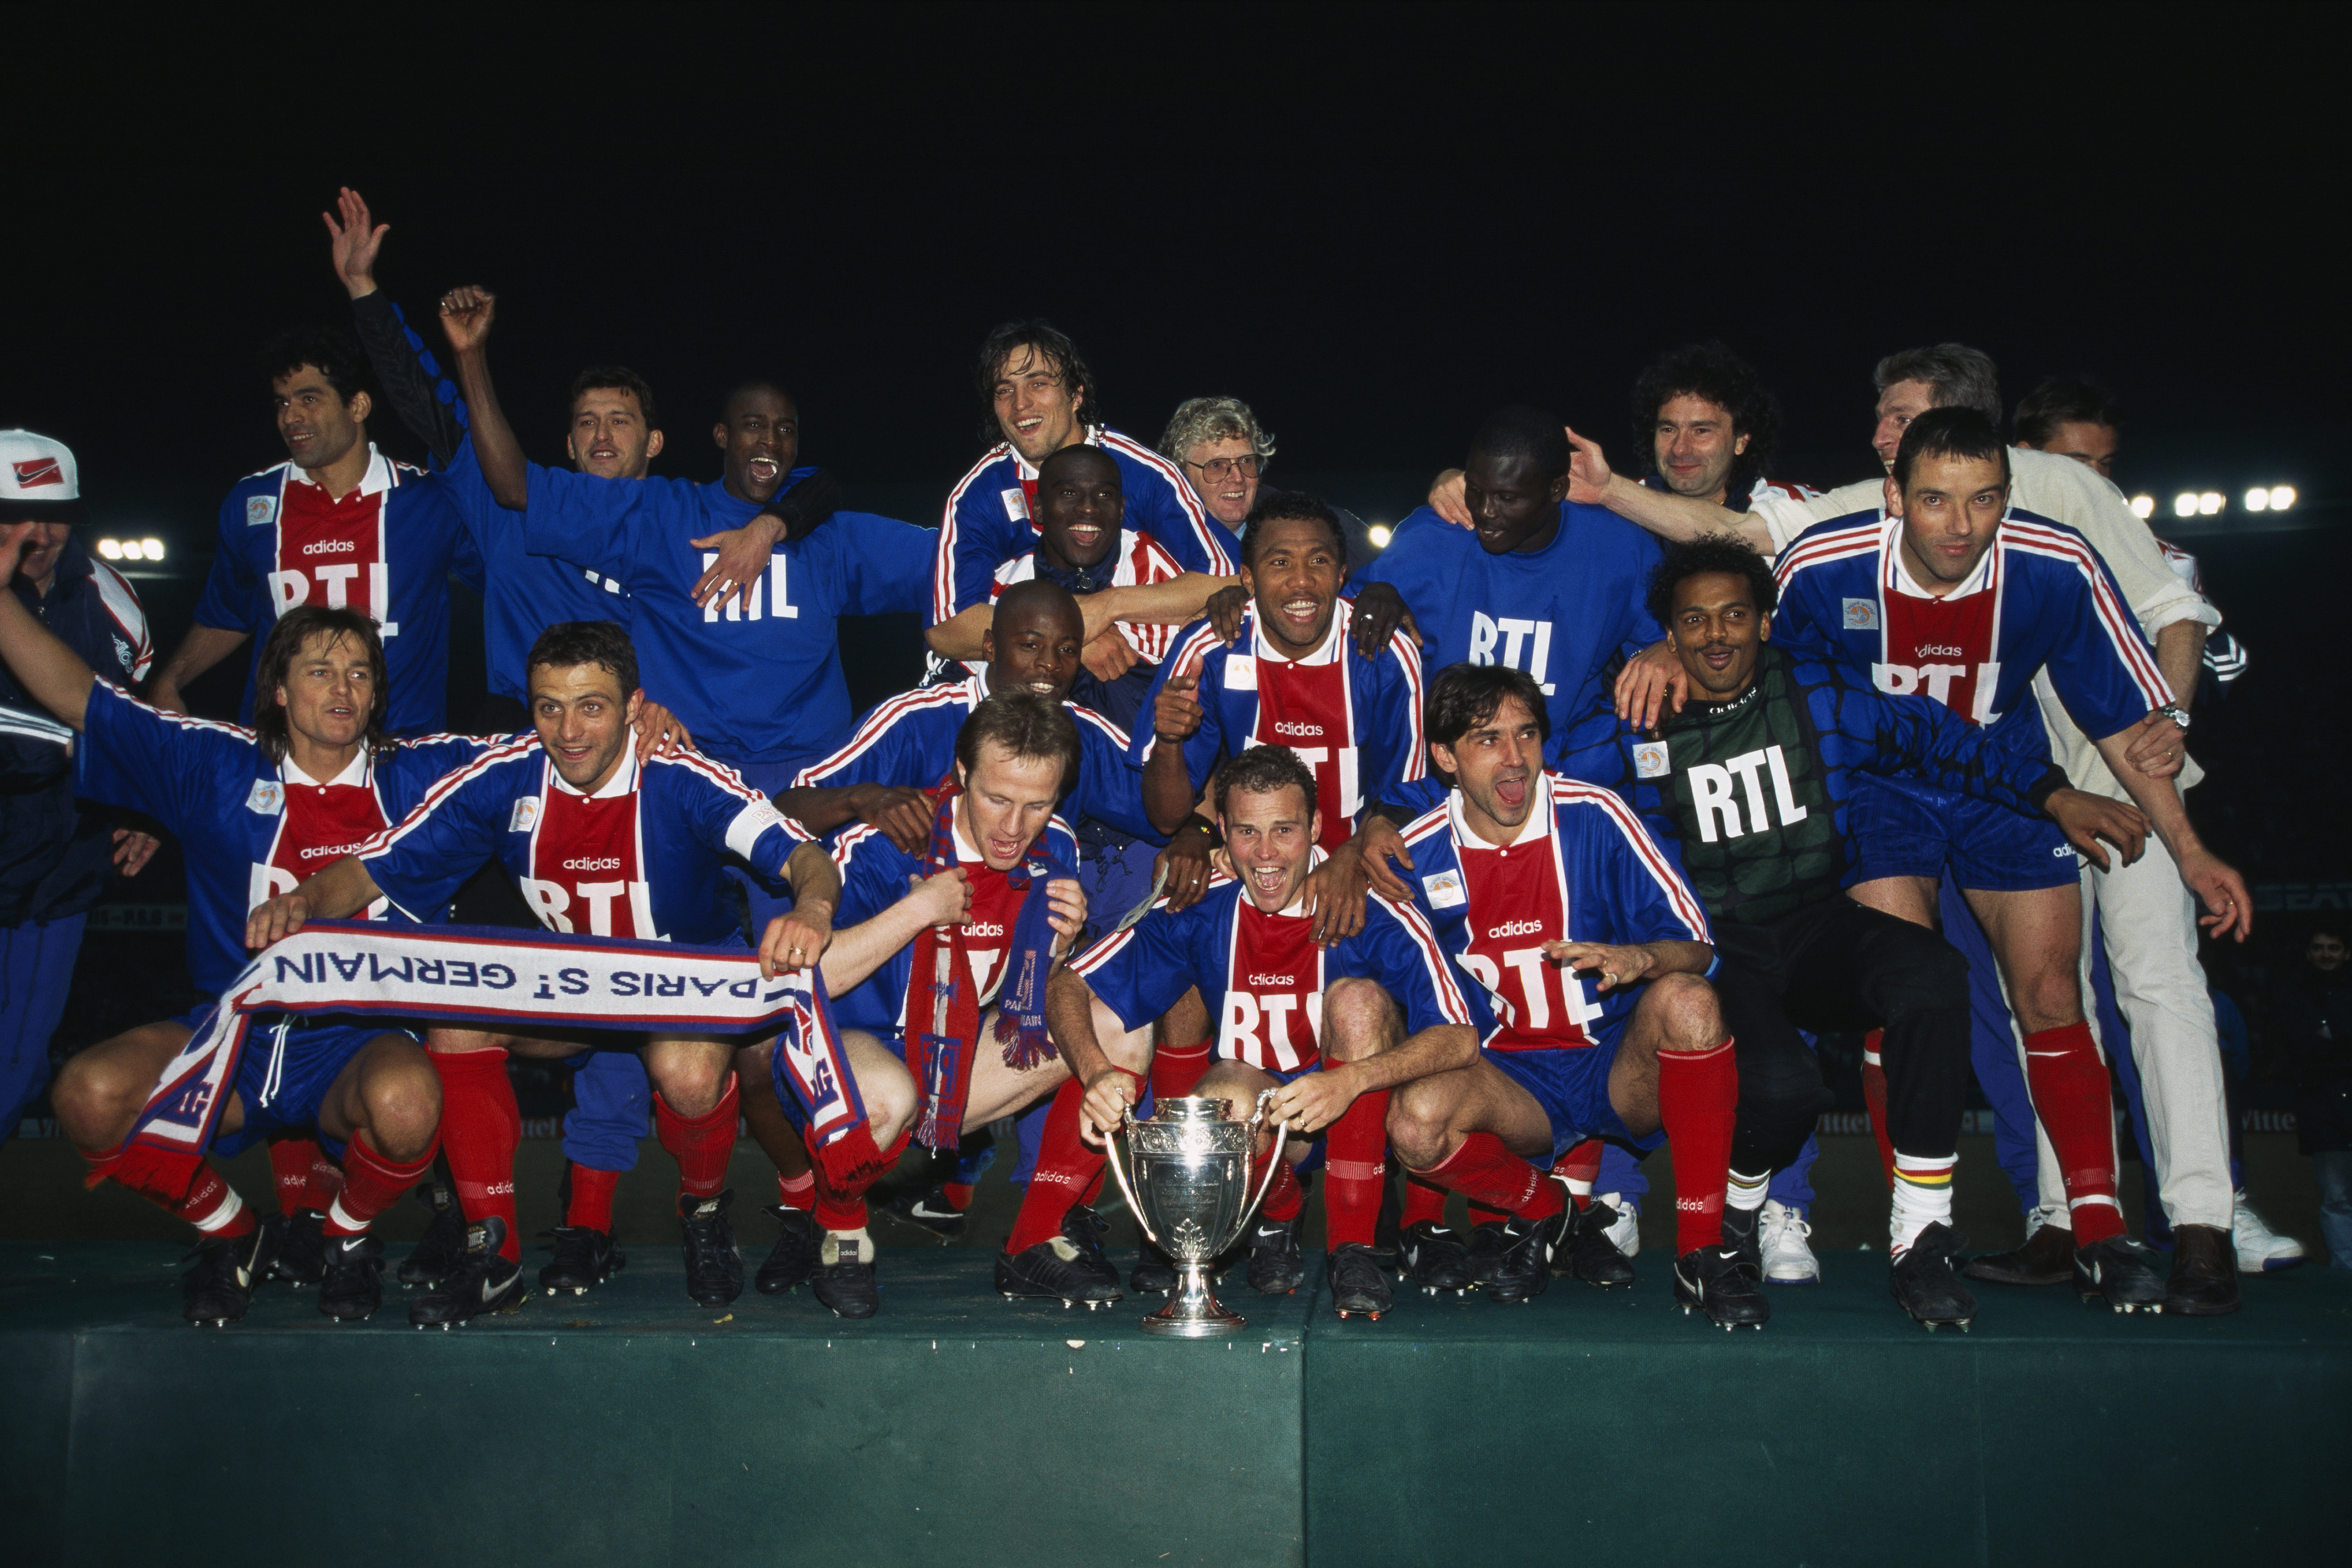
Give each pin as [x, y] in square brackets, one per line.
[1191, 1193]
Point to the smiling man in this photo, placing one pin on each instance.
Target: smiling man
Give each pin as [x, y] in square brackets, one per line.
[1753, 779]
[601, 843]
[1293, 678]
[1945, 590]
[336, 524]
[254, 810]
[1039, 397]
[1331, 1030]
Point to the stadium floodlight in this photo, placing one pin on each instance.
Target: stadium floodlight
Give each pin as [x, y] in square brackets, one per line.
[2210, 503]
[111, 548]
[153, 547]
[2258, 500]
[2281, 497]
[2184, 505]
[1378, 534]
[2143, 507]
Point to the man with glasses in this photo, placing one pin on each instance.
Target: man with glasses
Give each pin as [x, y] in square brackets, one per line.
[1222, 450]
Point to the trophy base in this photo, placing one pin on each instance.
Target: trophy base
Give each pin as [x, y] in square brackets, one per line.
[1193, 1311]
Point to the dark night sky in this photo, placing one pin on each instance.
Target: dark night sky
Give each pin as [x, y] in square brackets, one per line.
[1376, 224]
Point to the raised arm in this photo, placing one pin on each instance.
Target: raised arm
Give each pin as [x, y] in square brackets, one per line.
[466, 312]
[52, 674]
[404, 366]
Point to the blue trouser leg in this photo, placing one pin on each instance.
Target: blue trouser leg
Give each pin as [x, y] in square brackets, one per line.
[1621, 1173]
[1992, 1050]
[36, 962]
[611, 1102]
[1792, 1184]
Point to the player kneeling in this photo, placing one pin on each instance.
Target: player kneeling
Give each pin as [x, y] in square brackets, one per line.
[938, 971]
[603, 844]
[1320, 1027]
[1591, 948]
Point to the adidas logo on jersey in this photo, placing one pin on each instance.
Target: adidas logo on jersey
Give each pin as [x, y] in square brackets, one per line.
[592, 863]
[329, 547]
[330, 851]
[1272, 980]
[984, 928]
[1289, 727]
[1517, 928]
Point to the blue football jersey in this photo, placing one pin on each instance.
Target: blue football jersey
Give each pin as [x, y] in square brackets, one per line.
[1354, 721]
[875, 875]
[642, 857]
[758, 683]
[1583, 869]
[987, 521]
[910, 741]
[249, 828]
[1264, 976]
[389, 553]
[1561, 614]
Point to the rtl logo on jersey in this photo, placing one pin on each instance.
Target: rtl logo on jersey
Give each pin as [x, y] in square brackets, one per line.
[587, 867]
[745, 606]
[1712, 794]
[1943, 647]
[1306, 708]
[331, 552]
[1272, 1014]
[1518, 903]
[1516, 635]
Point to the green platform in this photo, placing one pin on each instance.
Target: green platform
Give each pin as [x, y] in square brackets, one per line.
[957, 1428]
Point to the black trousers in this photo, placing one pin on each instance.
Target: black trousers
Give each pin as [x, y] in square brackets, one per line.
[1839, 965]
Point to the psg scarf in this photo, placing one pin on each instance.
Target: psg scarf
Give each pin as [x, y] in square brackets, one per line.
[939, 990]
[520, 982]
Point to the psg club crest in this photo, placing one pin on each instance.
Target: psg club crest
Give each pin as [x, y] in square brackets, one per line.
[1650, 759]
[1861, 614]
[260, 511]
[268, 799]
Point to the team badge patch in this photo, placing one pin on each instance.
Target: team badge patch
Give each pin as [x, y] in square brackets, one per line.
[1017, 505]
[1240, 672]
[1861, 614]
[1446, 891]
[526, 812]
[268, 799]
[1650, 759]
[260, 511]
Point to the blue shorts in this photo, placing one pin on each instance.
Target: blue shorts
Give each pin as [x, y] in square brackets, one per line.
[1572, 1087]
[289, 1065]
[1988, 847]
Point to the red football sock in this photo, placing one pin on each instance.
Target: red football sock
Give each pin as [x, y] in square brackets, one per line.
[702, 1145]
[1068, 1166]
[1698, 1093]
[1425, 1201]
[327, 1179]
[1485, 1172]
[1175, 1072]
[845, 1208]
[1874, 1096]
[371, 1184]
[958, 1194]
[1487, 1214]
[1285, 1197]
[180, 1184]
[1355, 1172]
[590, 1207]
[480, 1128]
[291, 1157]
[2067, 1078]
[1580, 1168]
[797, 1192]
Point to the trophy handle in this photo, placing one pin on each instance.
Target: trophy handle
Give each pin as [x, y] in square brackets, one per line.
[1118, 1169]
[1265, 1186]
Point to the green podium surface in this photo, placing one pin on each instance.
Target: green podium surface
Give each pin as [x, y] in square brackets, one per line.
[632, 1427]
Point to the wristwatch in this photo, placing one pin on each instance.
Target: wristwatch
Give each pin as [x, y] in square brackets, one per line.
[2175, 713]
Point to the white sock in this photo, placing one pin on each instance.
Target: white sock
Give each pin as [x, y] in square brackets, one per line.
[1923, 1196]
[1746, 1194]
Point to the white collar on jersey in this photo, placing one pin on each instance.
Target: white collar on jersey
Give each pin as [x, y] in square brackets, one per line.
[355, 772]
[377, 480]
[1538, 824]
[1908, 586]
[1333, 646]
[624, 779]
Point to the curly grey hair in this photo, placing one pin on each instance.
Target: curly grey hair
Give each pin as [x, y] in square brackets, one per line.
[1199, 419]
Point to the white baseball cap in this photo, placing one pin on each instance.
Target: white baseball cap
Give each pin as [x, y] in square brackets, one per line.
[39, 478]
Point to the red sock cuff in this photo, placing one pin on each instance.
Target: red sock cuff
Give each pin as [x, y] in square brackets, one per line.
[290, 1162]
[1483, 1171]
[797, 1192]
[591, 1204]
[702, 1144]
[371, 1184]
[1425, 1201]
[1176, 1070]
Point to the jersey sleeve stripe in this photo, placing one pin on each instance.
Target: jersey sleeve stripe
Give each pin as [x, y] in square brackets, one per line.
[1218, 558]
[1678, 893]
[1086, 715]
[440, 790]
[1102, 952]
[1860, 540]
[943, 559]
[2121, 629]
[1408, 658]
[877, 724]
[185, 720]
[718, 773]
[1428, 821]
[1441, 973]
